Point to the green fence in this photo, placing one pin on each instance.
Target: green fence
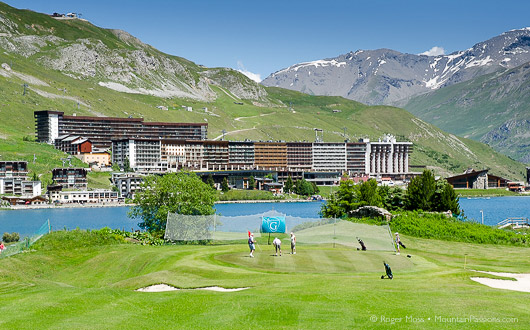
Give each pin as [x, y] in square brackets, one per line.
[27, 242]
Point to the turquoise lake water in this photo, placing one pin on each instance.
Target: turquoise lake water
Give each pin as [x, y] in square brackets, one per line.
[26, 222]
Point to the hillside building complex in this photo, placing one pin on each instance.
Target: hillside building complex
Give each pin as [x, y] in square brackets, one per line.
[386, 157]
[50, 125]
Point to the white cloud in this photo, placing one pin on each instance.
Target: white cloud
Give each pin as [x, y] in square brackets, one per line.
[254, 76]
[435, 51]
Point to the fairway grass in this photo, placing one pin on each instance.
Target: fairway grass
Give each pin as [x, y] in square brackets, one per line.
[321, 287]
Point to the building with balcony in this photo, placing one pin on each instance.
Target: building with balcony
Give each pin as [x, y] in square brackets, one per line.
[49, 125]
[13, 169]
[357, 158]
[18, 186]
[142, 155]
[270, 155]
[127, 183]
[70, 178]
[299, 156]
[73, 144]
[215, 155]
[241, 155]
[329, 156]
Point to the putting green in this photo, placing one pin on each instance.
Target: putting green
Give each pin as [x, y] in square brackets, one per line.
[319, 259]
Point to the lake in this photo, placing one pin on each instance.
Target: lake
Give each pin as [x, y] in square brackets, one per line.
[26, 222]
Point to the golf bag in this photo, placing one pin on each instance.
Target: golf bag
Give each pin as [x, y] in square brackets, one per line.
[388, 271]
[363, 247]
[402, 245]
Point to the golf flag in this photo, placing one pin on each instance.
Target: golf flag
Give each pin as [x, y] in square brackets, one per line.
[273, 224]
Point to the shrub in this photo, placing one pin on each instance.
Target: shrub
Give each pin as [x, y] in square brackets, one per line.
[13, 237]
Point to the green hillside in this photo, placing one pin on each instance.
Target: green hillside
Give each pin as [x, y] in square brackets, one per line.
[494, 109]
[264, 114]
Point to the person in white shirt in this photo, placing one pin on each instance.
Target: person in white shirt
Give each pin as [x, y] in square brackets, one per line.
[251, 243]
[277, 245]
[293, 243]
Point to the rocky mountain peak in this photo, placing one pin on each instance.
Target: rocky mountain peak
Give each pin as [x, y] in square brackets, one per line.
[385, 76]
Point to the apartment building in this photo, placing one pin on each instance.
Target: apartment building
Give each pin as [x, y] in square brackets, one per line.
[194, 155]
[49, 125]
[127, 183]
[215, 155]
[98, 157]
[299, 156]
[19, 186]
[173, 152]
[142, 155]
[241, 155]
[387, 156]
[14, 179]
[70, 178]
[73, 144]
[13, 169]
[329, 156]
[270, 155]
[357, 158]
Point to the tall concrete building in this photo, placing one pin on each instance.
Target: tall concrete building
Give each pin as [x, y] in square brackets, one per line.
[329, 156]
[387, 156]
[49, 125]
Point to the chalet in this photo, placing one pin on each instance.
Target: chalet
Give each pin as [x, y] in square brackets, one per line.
[472, 179]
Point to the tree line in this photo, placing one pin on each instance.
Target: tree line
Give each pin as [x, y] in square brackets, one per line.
[423, 193]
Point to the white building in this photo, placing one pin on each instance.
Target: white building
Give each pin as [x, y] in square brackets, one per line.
[18, 186]
[84, 196]
[173, 153]
[143, 155]
[388, 156]
[127, 183]
[329, 156]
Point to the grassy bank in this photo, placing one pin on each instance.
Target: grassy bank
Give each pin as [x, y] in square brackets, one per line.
[438, 226]
[245, 195]
[485, 192]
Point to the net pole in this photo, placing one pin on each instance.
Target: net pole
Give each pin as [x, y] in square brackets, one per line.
[334, 235]
[391, 238]
[214, 220]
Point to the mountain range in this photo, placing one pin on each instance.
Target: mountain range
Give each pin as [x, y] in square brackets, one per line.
[73, 66]
[386, 76]
[480, 93]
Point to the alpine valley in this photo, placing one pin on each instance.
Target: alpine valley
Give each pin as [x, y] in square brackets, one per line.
[73, 66]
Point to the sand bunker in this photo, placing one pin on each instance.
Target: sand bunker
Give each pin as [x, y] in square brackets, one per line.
[158, 288]
[521, 284]
[220, 289]
[165, 287]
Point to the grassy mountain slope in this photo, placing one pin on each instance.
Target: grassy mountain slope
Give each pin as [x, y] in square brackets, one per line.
[263, 115]
[494, 109]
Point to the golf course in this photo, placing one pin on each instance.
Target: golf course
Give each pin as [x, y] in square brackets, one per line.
[85, 280]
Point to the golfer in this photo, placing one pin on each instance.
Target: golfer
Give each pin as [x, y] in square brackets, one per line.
[277, 245]
[398, 241]
[2, 247]
[293, 243]
[251, 245]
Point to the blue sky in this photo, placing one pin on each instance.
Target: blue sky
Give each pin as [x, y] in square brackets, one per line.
[262, 37]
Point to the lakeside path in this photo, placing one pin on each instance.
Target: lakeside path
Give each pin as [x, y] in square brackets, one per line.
[266, 201]
[99, 205]
[64, 206]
